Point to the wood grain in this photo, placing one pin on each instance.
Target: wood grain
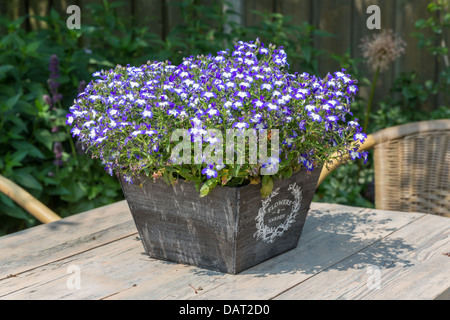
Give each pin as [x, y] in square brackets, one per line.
[410, 261]
[217, 232]
[337, 246]
[42, 244]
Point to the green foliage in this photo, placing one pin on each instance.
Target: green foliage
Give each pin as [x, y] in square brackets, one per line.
[110, 38]
[403, 103]
[204, 28]
[31, 129]
[296, 39]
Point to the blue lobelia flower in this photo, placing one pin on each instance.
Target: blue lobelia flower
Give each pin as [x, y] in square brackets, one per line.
[210, 172]
[361, 136]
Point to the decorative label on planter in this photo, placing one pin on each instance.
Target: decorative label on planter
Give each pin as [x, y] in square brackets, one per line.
[276, 215]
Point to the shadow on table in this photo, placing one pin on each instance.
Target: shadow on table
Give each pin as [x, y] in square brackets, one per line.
[338, 241]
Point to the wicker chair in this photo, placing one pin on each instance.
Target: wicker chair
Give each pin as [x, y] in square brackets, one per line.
[27, 201]
[412, 167]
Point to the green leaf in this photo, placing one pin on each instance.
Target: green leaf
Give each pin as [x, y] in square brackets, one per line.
[267, 186]
[11, 102]
[59, 136]
[171, 178]
[102, 62]
[45, 137]
[25, 179]
[94, 191]
[77, 192]
[32, 47]
[166, 177]
[306, 50]
[236, 170]
[19, 155]
[11, 209]
[31, 149]
[288, 173]
[207, 187]
[4, 69]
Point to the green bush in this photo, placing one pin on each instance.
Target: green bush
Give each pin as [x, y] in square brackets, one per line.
[36, 149]
[354, 185]
[38, 153]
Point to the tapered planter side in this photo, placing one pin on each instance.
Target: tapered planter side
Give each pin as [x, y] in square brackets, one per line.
[229, 230]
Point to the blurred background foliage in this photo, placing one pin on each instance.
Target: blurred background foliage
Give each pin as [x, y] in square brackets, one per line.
[42, 70]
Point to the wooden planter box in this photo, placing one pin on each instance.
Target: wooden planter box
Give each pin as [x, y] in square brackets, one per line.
[229, 230]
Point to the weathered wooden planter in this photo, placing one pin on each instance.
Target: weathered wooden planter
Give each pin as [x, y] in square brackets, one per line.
[229, 230]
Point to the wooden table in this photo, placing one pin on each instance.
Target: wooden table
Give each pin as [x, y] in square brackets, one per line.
[344, 253]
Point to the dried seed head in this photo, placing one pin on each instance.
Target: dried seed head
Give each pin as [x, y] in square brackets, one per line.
[382, 48]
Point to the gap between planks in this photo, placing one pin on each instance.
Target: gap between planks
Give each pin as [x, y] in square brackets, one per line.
[346, 258]
[69, 256]
[218, 286]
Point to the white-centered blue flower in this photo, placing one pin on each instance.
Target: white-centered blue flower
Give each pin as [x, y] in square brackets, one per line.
[140, 102]
[266, 86]
[352, 89]
[151, 132]
[353, 123]
[173, 112]
[242, 94]
[212, 112]
[228, 104]
[333, 118]
[212, 140]
[210, 172]
[310, 107]
[134, 84]
[361, 136]
[70, 119]
[209, 95]
[237, 104]
[241, 125]
[128, 179]
[272, 165]
[88, 123]
[308, 165]
[135, 133]
[94, 97]
[147, 114]
[271, 106]
[354, 154]
[315, 117]
[75, 131]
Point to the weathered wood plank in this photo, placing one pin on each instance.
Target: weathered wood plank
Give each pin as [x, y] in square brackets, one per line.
[360, 31]
[409, 262]
[299, 10]
[103, 270]
[15, 9]
[331, 234]
[250, 18]
[333, 17]
[148, 14]
[45, 243]
[337, 244]
[38, 8]
[415, 59]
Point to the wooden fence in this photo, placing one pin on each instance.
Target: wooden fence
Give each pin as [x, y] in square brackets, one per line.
[346, 19]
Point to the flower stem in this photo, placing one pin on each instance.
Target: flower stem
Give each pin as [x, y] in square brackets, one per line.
[72, 147]
[369, 103]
